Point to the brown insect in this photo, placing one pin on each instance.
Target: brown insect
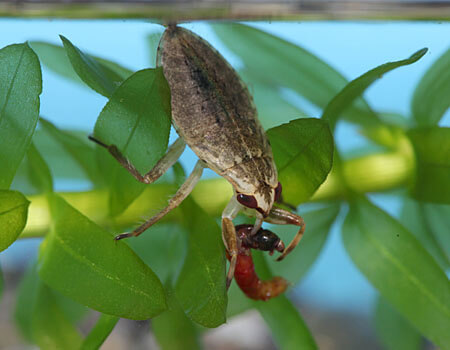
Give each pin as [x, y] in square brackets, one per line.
[213, 113]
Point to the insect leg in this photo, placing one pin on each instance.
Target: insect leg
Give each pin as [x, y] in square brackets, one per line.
[173, 153]
[174, 202]
[283, 217]
[229, 235]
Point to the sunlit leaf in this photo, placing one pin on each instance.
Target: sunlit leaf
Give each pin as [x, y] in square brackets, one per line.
[303, 153]
[13, 216]
[287, 326]
[344, 99]
[99, 333]
[55, 58]
[200, 287]
[298, 262]
[173, 329]
[98, 76]
[400, 268]
[137, 120]
[39, 172]
[284, 64]
[432, 175]
[85, 263]
[20, 87]
[416, 219]
[431, 96]
[393, 330]
[82, 152]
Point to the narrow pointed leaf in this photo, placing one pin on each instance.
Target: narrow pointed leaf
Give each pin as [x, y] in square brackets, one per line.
[96, 337]
[137, 120]
[50, 327]
[414, 217]
[344, 99]
[303, 153]
[272, 108]
[98, 76]
[318, 224]
[153, 42]
[438, 216]
[288, 328]
[20, 87]
[400, 268]
[82, 152]
[173, 329]
[41, 314]
[431, 97]
[85, 263]
[13, 216]
[393, 330]
[285, 64]
[200, 287]
[432, 152]
[39, 172]
[56, 58]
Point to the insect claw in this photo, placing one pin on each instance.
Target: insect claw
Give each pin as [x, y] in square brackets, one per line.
[97, 141]
[122, 236]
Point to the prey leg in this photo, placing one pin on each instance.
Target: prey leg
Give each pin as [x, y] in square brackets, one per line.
[283, 217]
[173, 153]
[174, 202]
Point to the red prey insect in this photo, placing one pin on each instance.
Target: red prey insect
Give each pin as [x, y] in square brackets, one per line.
[245, 274]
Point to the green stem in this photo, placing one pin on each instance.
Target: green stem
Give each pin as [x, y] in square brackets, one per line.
[372, 173]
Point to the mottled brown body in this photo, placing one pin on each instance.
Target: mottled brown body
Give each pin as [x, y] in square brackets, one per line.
[214, 113]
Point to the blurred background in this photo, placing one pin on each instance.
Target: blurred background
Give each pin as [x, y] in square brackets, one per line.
[335, 300]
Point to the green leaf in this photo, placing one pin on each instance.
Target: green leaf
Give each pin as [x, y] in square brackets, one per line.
[284, 64]
[98, 76]
[318, 224]
[432, 153]
[303, 153]
[153, 42]
[431, 96]
[99, 333]
[82, 152]
[39, 172]
[137, 120]
[272, 108]
[13, 216]
[41, 317]
[288, 328]
[50, 327]
[173, 329]
[20, 87]
[400, 268]
[85, 263]
[394, 331]
[201, 288]
[414, 217]
[438, 217]
[356, 87]
[56, 58]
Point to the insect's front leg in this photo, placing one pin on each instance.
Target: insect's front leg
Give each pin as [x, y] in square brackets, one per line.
[173, 153]
[283, 217]
[229, 236]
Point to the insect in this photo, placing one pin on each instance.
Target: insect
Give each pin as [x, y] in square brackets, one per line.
[213, 113]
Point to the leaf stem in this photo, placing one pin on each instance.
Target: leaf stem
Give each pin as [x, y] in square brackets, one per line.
[377, 172]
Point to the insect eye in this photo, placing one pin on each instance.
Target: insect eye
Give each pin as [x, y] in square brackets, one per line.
[248, 201]
[278, 192]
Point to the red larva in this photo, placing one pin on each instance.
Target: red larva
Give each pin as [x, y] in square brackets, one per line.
[245, 274]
